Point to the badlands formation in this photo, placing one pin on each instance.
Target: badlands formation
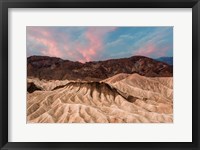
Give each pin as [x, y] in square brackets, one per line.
[122, 98]
[127, 90]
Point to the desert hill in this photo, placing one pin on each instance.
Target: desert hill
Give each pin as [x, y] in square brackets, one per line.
[129, 98]
[168, 60]
[52, 68]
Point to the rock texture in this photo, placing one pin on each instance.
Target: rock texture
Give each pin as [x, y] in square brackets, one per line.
[168, 60]
[128, 90]
[123, 98]
[51, 68]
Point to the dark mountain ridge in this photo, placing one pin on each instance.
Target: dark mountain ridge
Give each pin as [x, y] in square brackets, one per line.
[168, 60]
[53, 68]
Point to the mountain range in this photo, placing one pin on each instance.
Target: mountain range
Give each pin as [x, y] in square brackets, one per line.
[127, 90]
[168, 60]
[52, 68]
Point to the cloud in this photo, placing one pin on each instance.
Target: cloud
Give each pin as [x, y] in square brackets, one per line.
[146, 50]
[151, 50]
[99, 43]
[156, 44]
[86, 46]
[43, 40]
[94, 36]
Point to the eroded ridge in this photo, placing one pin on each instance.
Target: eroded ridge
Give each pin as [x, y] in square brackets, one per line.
[123, 98]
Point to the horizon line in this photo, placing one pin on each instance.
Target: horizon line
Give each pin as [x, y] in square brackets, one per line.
[99, 60]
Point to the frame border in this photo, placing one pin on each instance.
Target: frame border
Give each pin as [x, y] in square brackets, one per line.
[6, 4]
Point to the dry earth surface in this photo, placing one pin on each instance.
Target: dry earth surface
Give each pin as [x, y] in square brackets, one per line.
[122, 98]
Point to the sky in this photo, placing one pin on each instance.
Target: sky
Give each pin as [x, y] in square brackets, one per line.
[86, 44]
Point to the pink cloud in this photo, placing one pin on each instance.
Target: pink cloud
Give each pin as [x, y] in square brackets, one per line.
[163, 51]
[45, 38]
[38, 31]
[52, 48]
[150, 49]
[146, 50]
[68, 48]
[95, 43]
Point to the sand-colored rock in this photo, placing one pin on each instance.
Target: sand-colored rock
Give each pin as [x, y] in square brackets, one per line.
[123, 98]
[47, 85]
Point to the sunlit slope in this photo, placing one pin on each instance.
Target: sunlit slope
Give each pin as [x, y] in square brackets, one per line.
[122, 98]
